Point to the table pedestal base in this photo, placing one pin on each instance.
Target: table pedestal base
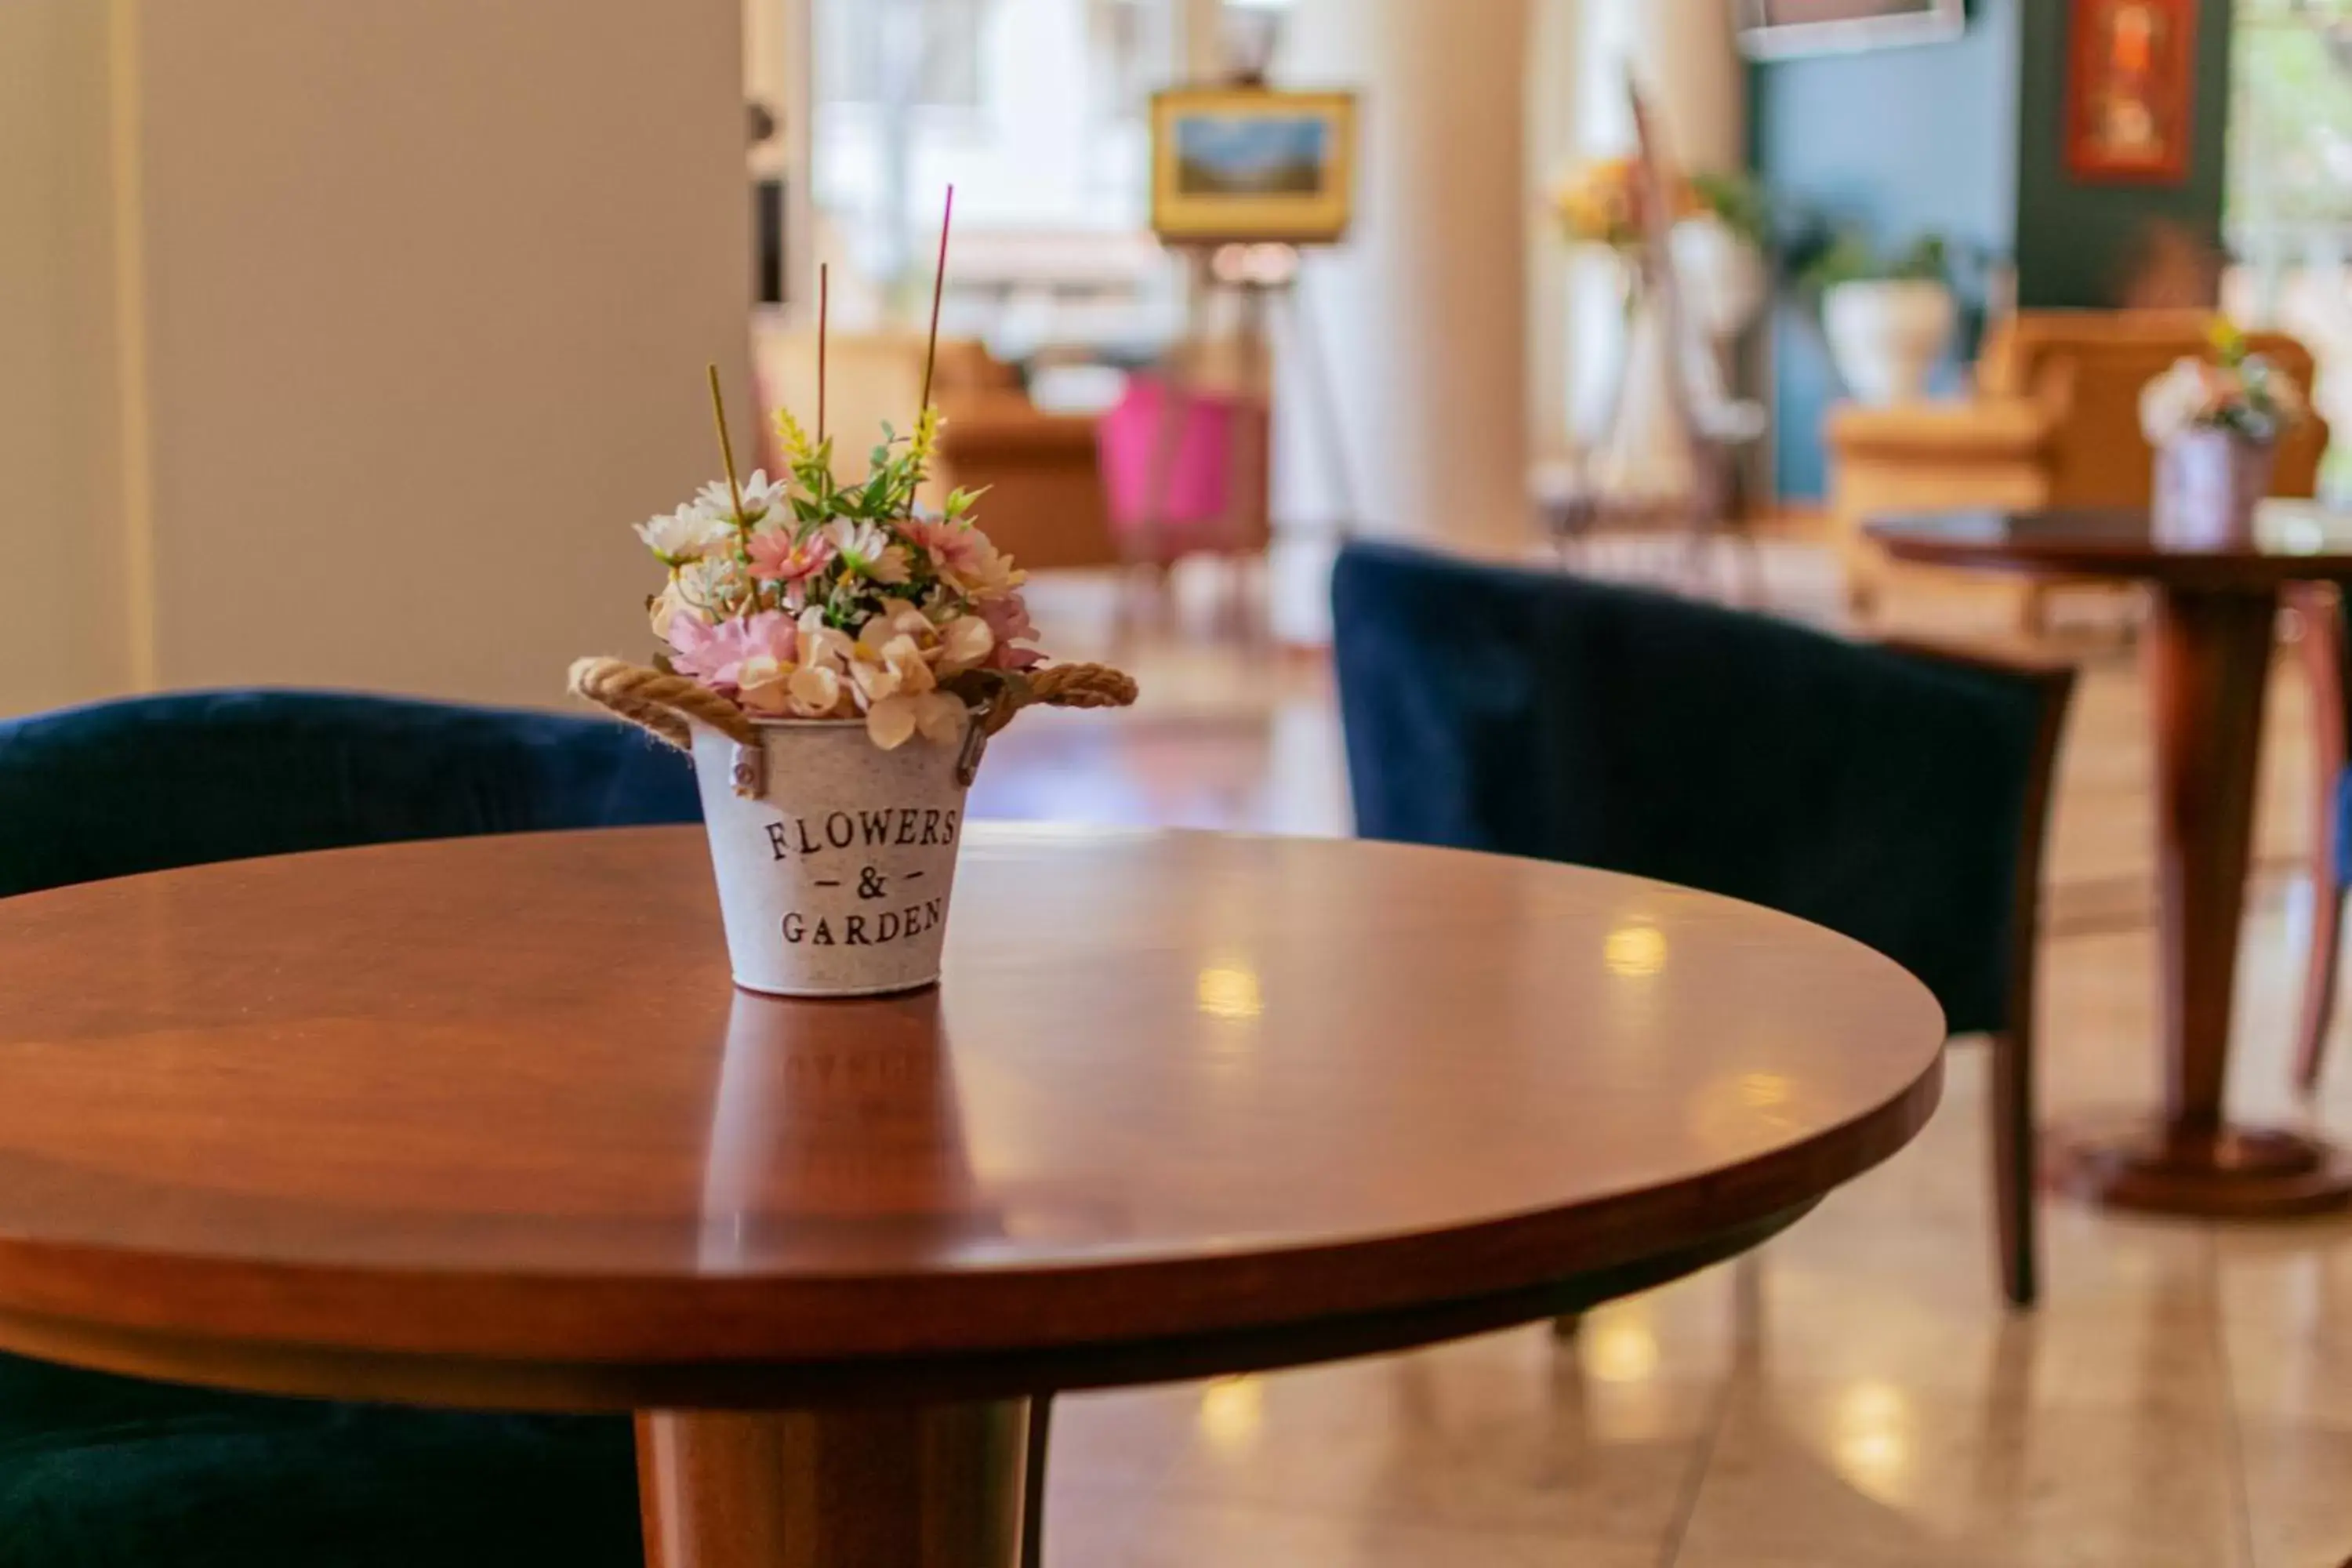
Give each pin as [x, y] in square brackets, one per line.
[938, 1487]
[2241, 1172]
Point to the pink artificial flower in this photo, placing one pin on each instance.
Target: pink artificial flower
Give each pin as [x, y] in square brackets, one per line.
[954, 548]
[1008, 617]
[778, 557]
[715, 655]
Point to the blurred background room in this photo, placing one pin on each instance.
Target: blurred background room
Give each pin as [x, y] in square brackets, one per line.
[340, 344]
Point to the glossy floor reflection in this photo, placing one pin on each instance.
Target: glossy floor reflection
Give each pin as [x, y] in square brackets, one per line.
[1857, 1396]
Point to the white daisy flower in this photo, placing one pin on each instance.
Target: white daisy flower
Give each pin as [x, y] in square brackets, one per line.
[682, 536]
[759, 498]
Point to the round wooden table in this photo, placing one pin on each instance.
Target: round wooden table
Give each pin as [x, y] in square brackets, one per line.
[2207, 647]
[482, 1123]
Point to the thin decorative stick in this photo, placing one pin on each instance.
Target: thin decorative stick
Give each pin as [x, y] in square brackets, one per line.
[734, 485]
[938, 287]
[823, 303]
[726, 448]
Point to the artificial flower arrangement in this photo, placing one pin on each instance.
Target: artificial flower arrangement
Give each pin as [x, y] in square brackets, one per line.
[835, 657]
[802, 598]
[2238, 391]
[2215, 425]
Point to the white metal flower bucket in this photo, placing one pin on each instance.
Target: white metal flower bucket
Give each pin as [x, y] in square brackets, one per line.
[834, 858]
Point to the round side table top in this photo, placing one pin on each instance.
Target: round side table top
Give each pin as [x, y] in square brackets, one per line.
[484, 1121]
[2291, 541]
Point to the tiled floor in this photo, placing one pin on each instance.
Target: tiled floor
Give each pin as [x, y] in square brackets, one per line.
[1854, 1397]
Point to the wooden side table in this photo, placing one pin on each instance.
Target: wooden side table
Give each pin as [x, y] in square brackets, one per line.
[2207, 649]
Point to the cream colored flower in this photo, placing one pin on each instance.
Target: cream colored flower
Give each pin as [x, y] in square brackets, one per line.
[893, 668]
[937, 715]
[818, 692]
[897, 618]
[763, 685]
[823, 647]
[965, 643]
[665, 607]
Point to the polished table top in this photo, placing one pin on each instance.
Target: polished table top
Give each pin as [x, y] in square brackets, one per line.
[484, 1121]
[2291, 542]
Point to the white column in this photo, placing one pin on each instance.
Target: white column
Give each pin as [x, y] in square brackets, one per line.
[1421, 317]
[1555, 38]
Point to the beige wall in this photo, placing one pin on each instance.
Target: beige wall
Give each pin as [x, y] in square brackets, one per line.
[419, 298]
[62, 631]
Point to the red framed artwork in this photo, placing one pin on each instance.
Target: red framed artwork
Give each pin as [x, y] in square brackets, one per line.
[2129, 90]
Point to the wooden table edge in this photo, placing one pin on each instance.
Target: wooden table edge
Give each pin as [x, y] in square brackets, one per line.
[1746, 1203]
[466, 1383]
[2216, 573]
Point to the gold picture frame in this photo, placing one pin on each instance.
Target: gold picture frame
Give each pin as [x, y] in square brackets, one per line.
[1252, 164]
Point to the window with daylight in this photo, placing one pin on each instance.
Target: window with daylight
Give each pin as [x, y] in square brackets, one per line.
[1034, 110]
[2290, 154]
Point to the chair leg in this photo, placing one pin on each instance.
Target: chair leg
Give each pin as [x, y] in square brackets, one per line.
[2013, 1164]
[2034, 610]
[2319, 975]
[1759, 588]
[1861, 594]
[1032, 1482]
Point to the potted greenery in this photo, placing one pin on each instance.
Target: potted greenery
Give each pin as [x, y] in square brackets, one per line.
[1888, 320]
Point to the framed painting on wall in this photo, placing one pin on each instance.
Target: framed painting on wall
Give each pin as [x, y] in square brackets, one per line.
[2129, 87]
[1776, 29]
[1251, 163]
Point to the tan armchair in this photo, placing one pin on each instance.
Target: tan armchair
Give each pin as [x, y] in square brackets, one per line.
[2053, 421]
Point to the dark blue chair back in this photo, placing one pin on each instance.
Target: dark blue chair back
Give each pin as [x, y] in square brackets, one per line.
[1885, 793]
[147, 784]
[103, 1470]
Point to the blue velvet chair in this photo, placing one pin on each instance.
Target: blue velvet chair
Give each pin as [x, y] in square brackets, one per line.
[1896, 795]
[98, 1471]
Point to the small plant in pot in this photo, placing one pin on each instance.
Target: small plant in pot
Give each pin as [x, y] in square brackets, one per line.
[2215, 425]
[1889, 322]
[835, 658]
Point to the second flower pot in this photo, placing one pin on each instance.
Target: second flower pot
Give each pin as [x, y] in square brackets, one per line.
[2208, 485]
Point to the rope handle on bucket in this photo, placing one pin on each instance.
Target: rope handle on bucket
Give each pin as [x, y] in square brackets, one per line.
[662, 705]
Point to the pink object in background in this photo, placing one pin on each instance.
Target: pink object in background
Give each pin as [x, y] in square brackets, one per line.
[1207, 442]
